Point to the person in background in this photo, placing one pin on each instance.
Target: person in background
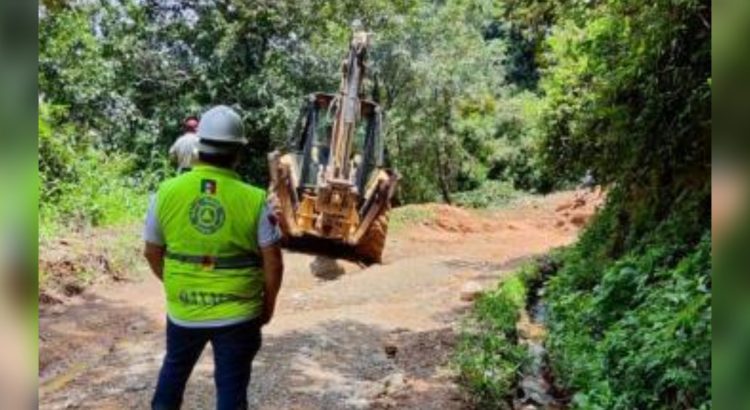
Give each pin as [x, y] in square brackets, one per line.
[213, 242]
[588, 181]
[184, 150]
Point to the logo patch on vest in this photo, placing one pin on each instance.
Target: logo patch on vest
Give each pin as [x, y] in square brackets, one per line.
[208, 186]
[207, 215]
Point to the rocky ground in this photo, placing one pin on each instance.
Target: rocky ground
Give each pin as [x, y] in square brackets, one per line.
[344, 336]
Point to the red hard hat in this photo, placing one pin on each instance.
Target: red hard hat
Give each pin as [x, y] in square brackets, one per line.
[191, 123]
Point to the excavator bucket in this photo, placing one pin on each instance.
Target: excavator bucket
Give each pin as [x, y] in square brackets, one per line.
[339, 223]
[331, 182]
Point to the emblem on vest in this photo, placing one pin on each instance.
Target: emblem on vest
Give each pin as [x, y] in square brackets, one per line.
[207, 215]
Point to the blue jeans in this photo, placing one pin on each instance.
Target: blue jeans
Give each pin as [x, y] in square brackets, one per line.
[234, 347]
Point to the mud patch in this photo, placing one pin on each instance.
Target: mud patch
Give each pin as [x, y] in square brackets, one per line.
[423, 358]
[454, 219]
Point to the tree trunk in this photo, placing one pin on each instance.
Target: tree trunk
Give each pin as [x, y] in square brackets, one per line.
[442, 178]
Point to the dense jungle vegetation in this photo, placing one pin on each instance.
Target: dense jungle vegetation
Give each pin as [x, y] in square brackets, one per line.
[482, 99]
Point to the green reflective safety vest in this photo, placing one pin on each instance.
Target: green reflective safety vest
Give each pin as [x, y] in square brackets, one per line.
[212, 269]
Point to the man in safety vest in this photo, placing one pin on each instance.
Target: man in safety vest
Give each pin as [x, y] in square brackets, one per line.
[212, 240]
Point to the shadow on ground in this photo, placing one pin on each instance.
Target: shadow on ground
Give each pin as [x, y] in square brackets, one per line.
[72, 333]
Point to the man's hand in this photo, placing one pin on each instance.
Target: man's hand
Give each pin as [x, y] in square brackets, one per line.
[273, 270]
[274, 208]
[267, 314]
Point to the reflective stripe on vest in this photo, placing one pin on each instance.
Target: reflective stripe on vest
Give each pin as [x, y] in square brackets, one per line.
[225, 262]
[209, 219]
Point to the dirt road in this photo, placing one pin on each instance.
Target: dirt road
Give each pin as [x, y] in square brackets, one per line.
[343, 336]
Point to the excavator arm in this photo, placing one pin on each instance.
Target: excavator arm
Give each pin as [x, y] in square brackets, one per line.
[334, 194]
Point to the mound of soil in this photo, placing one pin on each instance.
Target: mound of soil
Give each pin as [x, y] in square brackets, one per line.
[71, 264]
[453, 219]
[579, 210]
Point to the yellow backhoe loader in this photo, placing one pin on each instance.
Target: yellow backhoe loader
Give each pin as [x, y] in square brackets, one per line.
[331, 182]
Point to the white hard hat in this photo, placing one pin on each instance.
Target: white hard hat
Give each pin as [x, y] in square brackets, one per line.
[220, 130]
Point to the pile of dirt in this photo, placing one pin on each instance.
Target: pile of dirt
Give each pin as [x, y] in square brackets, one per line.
[578, 211]
[70, 264]
[453, 219]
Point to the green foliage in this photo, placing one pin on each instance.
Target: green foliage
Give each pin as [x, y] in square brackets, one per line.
[488, 356]
[83, 186]
[731, 332]
[627, 91]
[101, 194]
[504, 134]
[128, 72]
[626, 95]
[489, 194]
[443, 109]
[635, 331]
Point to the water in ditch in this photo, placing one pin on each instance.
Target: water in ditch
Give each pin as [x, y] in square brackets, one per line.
[536, 389]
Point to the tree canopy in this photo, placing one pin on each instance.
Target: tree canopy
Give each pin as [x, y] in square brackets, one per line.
[127, 73]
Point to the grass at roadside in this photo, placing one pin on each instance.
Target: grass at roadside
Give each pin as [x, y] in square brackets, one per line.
[491, 194]
[407, 215]
[78, 211]
[488, 356]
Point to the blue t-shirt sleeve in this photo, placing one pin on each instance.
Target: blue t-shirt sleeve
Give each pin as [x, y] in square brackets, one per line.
[152, 231]
[268, 231]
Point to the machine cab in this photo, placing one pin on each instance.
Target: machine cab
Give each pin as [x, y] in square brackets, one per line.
[311, 142]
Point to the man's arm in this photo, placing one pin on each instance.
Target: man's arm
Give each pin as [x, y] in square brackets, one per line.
[153, 237]
[154, 254]
[269, 237]
[273, 271]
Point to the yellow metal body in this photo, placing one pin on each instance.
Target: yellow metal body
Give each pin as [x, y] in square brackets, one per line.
[330, 202]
